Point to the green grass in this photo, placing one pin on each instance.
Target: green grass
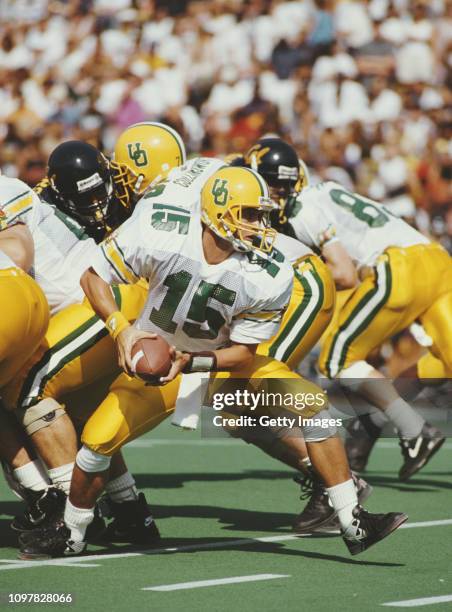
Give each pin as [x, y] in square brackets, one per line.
[223, 491]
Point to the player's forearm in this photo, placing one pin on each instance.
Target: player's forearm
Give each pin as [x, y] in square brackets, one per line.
[236, 357]
[98, 293]
[17, 243]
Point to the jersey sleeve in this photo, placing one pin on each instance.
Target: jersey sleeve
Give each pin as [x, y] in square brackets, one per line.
[262, 319]
[311, 222]
[18, 205]
[122, 258]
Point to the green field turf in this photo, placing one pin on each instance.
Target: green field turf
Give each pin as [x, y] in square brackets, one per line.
[226, 509]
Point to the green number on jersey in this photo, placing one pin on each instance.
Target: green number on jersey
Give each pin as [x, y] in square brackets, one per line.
[157, 190]
[362, 208]
[199, 311]
[265, 262]
[177, 285]
[168, 218]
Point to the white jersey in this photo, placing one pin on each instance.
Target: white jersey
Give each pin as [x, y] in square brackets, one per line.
[6, 262]
[184, 183]
[327, 212]
[292, 249]
[62, 253]
[194, 305]
[62, 250]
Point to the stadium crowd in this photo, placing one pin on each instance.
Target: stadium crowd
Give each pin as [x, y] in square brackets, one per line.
[361, 88]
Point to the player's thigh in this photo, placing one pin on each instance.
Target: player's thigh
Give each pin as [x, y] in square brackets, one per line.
[365, 321]
[437, 321]
[130, 409]
[432, 367]
[77, 350]
[307, 316]
[24, 320]
[280, 388]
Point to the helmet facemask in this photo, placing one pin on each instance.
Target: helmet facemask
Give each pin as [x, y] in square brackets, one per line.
[95, 209]
[244, 234]
[128, 184]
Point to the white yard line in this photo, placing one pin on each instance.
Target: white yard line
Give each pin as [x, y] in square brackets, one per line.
[427, 524]
[423, 601]
[215, 582]
[149, 443]
[12, 564]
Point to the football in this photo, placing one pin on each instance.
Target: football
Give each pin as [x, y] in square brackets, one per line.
[151, 359]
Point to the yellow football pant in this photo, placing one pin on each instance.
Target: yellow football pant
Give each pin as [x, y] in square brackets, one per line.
[307, 316]
[407, 284]
[76, 351]
[131, 408]
[23, 322]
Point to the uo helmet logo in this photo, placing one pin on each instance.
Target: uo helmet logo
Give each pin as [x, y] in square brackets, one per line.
[220, 192]
[137, 154]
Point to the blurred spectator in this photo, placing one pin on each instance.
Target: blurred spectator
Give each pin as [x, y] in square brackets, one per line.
[361, 87]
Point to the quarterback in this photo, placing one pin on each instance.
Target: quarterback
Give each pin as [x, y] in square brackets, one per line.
[214, 295]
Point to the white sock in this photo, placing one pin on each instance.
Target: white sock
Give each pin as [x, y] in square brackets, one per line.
[61, 476]
[343, 499]
[31, 476]
[122, 489]
[407, 421]
[77, 520]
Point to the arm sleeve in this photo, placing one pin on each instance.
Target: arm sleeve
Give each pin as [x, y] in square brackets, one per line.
[20, 208]
[312, 224]
[261, 321]
[122, 258]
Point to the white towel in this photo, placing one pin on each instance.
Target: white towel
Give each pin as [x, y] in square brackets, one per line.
[189, 401]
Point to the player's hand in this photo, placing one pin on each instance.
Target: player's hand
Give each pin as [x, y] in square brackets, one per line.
[179, 360]
[124, 343]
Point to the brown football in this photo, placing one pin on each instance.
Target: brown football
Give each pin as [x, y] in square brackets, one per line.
[151, 359]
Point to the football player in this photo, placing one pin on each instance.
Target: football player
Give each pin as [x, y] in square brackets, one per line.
[215, 294]
[308, 315]
[403, 277]
[24, 320]
[83, 187]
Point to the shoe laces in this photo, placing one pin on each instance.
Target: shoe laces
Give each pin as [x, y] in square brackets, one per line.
[309, 486]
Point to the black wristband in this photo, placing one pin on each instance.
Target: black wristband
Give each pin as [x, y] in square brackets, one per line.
[202, 361]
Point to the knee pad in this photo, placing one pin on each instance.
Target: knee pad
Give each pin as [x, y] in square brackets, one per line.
[90, 461]
[320, 427]
[41, 415]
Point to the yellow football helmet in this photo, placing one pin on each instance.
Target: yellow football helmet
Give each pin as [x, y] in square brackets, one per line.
[144, 154]
[235, 205]
[303, 176]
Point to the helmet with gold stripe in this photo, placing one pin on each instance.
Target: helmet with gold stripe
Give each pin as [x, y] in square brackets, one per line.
[278, 162]
[236, 205]
[144, 154]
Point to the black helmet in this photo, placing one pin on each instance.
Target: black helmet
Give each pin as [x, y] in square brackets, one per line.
[277, 162]
[81, 179]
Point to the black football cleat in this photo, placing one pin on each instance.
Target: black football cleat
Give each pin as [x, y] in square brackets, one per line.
[418, 451]
[132, 523]
[42, 509]
[367, 529]
[318, 514]
[49, 543]
[318, 510]
[361, 438]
